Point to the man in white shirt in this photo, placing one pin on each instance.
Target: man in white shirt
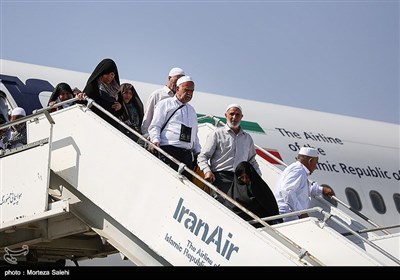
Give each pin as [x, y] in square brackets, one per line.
[174, 125]
[167, 91]
[293, 190]
[225, 148]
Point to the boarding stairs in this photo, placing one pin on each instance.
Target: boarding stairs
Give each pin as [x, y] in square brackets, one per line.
[82, 189]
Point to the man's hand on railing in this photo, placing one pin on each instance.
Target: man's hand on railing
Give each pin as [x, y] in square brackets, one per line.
[327, 190]
[151, 147]
[209, 176]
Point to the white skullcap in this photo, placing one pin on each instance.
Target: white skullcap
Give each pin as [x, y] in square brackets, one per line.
[18, 112]
[176, 71]
[311, 152]
[234, 106]
[184, 79]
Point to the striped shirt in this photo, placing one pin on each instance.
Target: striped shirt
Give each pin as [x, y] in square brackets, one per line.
[224, 150]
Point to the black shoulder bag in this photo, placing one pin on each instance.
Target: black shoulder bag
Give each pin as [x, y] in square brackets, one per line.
[162, 128]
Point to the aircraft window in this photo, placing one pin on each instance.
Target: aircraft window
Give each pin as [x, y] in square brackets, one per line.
[396, 198]
[377, 202]
[354, 199]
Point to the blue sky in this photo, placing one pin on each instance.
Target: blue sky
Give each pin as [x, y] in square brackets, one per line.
[334, 56]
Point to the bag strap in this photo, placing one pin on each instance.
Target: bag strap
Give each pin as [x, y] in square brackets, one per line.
[162, 128]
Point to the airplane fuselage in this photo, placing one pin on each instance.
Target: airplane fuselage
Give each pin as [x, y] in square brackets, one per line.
[359, 158]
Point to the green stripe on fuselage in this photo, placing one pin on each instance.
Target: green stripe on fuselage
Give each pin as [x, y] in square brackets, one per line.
[246, 125]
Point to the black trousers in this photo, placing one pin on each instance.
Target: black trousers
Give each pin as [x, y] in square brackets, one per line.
[223, 181]
[183, 155]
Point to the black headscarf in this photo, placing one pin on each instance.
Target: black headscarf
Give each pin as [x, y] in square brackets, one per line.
[105, 66]
[103, 99]
[137, 103]
[61, 87]
[259, 198]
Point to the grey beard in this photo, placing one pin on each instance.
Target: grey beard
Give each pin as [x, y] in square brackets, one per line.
[231, 125]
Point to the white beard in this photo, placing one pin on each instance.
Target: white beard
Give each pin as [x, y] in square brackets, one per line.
[231, 125]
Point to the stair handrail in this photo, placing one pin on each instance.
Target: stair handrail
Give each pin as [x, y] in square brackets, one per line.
[360, 215]
[329, 216]
[30, 117]
[284, 164]
[59, 104]
[288, 243]
[373, 229]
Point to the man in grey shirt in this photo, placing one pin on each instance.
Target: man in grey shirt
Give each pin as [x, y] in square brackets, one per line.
[225, 148]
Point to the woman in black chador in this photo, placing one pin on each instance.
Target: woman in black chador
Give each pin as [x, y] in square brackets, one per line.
[102, 86]
[61, 92]
[251, 191]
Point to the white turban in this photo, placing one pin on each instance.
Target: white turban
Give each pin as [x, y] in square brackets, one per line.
[183, 80]
[234, 106]
[311, 152]
[18, 112]
[176, 71]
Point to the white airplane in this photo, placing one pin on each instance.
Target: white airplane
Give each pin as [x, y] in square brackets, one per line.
[359, 158]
